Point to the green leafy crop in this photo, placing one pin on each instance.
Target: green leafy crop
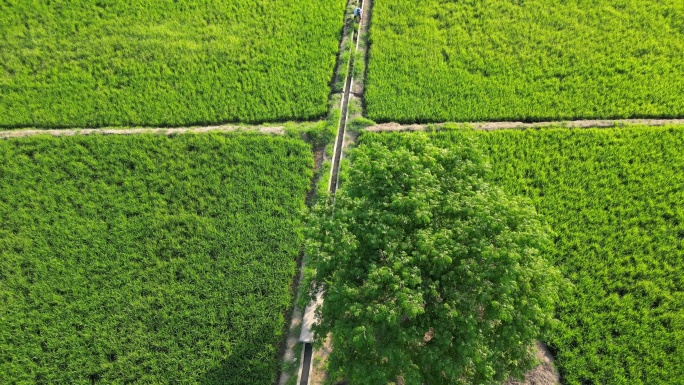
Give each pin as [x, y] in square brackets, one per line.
[473, 60]
[67, 63]
[614, 198]
[148, 259]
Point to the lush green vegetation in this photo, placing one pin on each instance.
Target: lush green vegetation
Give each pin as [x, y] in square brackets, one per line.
[429, 273]
[472, 60]
[148, 259]
[165, 62]
[614, 198]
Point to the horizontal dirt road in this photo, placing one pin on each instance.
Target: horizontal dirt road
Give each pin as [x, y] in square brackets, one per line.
[491, 126]
[278, 130]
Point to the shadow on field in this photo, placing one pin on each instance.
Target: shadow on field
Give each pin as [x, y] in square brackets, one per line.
[248, 364]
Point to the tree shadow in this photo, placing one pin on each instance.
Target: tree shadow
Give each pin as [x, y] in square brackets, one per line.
[249, 363]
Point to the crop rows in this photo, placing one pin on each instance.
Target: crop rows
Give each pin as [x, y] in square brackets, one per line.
[165, 62]
[147, 259]
[614, 198]
[484, 60]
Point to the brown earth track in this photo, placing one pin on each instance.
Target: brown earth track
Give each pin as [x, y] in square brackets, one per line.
[278, 130]
[492, 126]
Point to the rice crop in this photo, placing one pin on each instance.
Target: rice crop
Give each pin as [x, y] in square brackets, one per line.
[614, 198]
[148, 259]
[531, 60]
[77, 63]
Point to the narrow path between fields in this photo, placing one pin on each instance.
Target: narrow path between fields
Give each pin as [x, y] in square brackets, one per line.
[298, 345]
[305, 374]
[491, 126]
[133, 131]
[280, 130]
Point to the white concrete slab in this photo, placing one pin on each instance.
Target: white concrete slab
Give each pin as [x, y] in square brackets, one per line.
[309, 319]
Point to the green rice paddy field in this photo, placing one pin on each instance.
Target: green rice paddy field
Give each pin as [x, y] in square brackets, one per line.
[148, 259]
[489, 60]
[77, 63]
[614, 199]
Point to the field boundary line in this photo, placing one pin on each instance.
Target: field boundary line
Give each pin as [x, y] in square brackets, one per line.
[278, 130]
[493, 126]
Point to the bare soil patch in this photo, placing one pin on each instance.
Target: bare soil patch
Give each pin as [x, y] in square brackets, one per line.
[544, 374]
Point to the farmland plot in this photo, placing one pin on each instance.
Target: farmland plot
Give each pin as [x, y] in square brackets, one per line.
[162, 62]
[147, 259]
[437, 60]
[614, 198]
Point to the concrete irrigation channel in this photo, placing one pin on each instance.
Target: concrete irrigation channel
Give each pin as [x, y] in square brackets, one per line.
[306, 336]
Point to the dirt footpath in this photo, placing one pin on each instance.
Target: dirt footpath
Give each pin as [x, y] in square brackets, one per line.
[491, 126]
[277, 130]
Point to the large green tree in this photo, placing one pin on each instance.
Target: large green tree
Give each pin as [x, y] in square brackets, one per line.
[431, 275]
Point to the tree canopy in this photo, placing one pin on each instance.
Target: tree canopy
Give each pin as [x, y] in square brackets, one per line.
[430, 273]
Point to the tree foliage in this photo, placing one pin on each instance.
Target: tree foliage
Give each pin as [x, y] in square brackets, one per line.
[430, 274]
